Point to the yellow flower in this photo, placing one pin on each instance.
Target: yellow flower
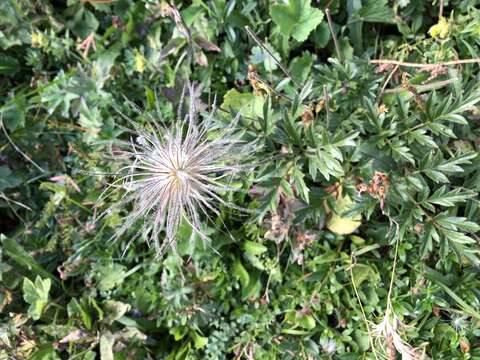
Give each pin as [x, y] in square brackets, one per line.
[440, 29]
[38, 40]
[140, 62]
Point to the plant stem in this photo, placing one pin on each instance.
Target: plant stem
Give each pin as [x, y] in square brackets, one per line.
[334, 36]
[327, 111]
[419, 65]
[267, 50]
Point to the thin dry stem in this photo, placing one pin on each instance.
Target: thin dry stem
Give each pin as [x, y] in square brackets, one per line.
[267, 50]
[382, 91]
[419, 65]
[364, 316]
[422, 88]
[327, 110]
[18, 149]
[334, 36]
[9, 203]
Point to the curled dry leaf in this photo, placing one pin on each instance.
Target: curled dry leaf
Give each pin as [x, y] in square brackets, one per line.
[74, 336]
[67, 180]
[206, 45]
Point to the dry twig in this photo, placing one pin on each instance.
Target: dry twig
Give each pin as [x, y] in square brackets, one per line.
[382, 91]
[419, 65]
[267, 50]
[334, 36]
[440, 11]
[18, 149]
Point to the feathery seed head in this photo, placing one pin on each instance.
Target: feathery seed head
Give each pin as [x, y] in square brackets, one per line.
[177, 173]
[387, 333]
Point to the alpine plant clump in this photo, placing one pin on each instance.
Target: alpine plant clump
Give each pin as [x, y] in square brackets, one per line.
[176, 173]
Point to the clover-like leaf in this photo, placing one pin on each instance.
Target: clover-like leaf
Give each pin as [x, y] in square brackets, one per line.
[36, 294]
[296, 18]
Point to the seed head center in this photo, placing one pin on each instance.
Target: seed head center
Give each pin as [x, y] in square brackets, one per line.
[179, 176]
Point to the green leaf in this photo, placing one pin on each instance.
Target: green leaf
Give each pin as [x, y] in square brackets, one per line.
[295, 332]
[364, 249]
[8, 178]
[363, 272]
[431, 274]
[292, 130]
[105, 62]
[455, 222]
[12, 114]
[444, 198]
[199, 341]
[355, 28]
[259, 56]
[247, 104]
[345, 140]
[92, 121]
[178, 332]
[84, 24]
[326, 164]
[241, 273]
[106, 346]
[375, 11]
[452, 165]
[436, 176]
[18, 254]
[435, 167]
[287, 188]
[300, 67]
[321, 35]
[255, 261]
[254, 286]
[458, 237]
[400, 151]
[420, 136]
[341, 223]
[36, 294]
[114, 310]
[254, 248]
[9, 66]
[76, 308]
[109, 276]
[305, 321]
[451, 110]
[47, 352]
[301, 187]
[296, 18]
[362, 339]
